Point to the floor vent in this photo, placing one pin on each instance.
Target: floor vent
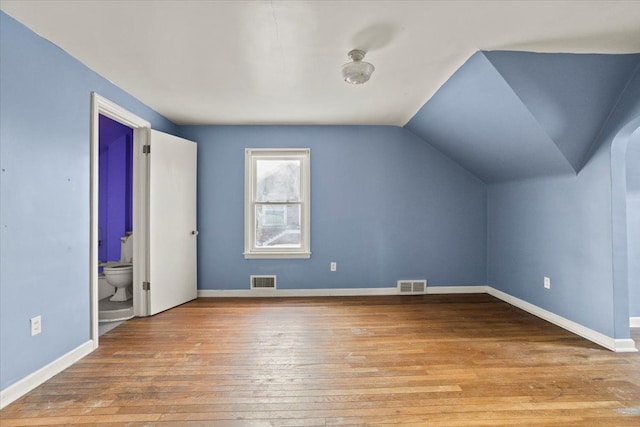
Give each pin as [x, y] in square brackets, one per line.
[412, 287]
[263, 282]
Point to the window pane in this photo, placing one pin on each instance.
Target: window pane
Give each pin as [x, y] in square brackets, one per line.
[278, 226]
[278, 181]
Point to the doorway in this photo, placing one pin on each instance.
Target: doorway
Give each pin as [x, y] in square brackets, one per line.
[115, 224]
[140, 130]
[163, 204]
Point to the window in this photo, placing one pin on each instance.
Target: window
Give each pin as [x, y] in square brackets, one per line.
[276, 208]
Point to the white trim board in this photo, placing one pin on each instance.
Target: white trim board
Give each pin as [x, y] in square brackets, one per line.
[33, 380]
[634, 322]
[325, 292]
[23, 386]
[480, 289]
[618, 345]
[250, 293]
[141, 128]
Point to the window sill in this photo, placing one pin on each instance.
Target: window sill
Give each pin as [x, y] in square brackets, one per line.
[277, 255]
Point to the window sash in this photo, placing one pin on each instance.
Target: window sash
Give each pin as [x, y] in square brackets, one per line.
[278, 234]
[282, 249]
[295, 195]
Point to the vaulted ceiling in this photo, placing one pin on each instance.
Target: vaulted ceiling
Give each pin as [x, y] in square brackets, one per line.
[516, 115]
[460, 74]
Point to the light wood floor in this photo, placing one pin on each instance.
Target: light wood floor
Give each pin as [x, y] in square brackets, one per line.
[458, 360]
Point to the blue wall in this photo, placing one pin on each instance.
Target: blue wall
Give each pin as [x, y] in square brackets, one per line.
[618, 134]
[384, 206]
[633, 223]
[44, 196]
[633, 215]
[562, 228]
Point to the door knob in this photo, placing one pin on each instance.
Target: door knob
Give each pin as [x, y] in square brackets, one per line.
[194, 232]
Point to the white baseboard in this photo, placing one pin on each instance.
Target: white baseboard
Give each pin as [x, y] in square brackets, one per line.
[626, 345]
[250, 293]
[480, 289]
[31, 381]
[618, 345]
[28, 383]
[341, 292]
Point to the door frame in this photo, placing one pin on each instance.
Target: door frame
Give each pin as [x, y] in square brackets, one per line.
[141, 130]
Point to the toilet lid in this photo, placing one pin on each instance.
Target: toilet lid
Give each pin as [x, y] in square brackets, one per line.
[118, 266]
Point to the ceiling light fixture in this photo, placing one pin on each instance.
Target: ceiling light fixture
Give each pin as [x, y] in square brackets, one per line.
[357, 71]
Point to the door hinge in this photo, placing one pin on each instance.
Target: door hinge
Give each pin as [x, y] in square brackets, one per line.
[146, 286]
[146, 149]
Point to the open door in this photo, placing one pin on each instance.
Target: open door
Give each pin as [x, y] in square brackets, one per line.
[172, 222]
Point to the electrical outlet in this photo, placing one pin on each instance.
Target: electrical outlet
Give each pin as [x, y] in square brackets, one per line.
[36, 325]
[334, 266]
[547, 283]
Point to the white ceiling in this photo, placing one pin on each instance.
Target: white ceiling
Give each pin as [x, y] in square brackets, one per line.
[278, 62]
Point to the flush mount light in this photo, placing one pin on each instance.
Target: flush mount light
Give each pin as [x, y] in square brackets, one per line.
[357, 71]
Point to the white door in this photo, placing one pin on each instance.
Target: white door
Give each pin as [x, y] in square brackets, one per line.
[172, 221]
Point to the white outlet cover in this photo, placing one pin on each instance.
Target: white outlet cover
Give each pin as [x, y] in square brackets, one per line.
[547, 282]
[36, 325]
[334, 266]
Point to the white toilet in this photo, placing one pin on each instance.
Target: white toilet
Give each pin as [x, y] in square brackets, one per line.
[120, 274]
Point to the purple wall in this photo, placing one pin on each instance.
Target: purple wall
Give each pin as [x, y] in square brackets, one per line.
[115, 215]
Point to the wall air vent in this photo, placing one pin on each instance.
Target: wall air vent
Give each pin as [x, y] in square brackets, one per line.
[263, 282]
[412, 287]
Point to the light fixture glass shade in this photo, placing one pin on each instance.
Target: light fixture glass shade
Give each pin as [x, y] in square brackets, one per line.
[358, 71]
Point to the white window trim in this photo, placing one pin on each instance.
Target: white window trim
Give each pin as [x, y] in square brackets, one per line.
[250, 250]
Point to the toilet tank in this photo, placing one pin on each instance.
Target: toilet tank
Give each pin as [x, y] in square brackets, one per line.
[126, 248]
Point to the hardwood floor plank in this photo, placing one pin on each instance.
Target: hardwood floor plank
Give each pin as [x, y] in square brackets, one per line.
[454, 360]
